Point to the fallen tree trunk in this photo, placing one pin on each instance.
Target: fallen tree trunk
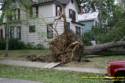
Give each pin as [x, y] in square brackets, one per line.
[88, 50]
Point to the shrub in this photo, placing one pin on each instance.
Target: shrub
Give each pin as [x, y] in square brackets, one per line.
[13, 44]
[2, 44]
[16, 44]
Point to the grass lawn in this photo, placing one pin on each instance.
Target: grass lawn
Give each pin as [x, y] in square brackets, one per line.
[21, 54]
[97, 62]
[47, 76]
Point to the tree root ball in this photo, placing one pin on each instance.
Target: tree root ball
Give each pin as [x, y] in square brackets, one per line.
[67, 47]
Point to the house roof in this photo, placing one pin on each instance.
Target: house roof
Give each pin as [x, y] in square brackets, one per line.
[43, 2]
[39, 2]
[88, 16]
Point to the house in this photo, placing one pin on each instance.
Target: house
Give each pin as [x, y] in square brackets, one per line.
[89, 20]
[38, 29]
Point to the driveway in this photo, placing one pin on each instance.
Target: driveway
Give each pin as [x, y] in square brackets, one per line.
[5, 80]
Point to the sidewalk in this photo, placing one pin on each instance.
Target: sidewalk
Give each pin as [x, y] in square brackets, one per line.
[45, 65]
[6, 80]
[80, 69]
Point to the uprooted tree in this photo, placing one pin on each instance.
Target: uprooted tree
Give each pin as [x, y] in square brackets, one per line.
[68, 47]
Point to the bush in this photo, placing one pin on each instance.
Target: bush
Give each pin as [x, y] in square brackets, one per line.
[2, 44]
[40, 46]
[13, 44]
[16, 44]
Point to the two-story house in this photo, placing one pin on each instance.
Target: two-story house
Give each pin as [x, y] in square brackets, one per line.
[38, 29]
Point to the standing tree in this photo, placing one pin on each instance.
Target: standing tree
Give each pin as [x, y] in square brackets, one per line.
[8, 14]
[104, 7]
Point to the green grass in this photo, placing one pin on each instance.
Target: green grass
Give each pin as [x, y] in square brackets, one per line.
[47, 76]
[98, 62]
[21, 54]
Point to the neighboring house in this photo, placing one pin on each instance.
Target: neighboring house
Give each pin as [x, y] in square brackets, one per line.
[38, 30]
[89, 20]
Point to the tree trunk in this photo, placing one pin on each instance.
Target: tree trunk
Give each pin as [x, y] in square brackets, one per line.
[103, 47]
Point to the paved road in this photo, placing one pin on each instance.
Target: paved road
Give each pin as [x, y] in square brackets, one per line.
[44, 65]
[5, 80]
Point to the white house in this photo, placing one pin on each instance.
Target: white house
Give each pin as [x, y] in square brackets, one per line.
[37, 30]
[89, 20]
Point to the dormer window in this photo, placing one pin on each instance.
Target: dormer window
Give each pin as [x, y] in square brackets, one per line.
[72, 14]
[58, 10]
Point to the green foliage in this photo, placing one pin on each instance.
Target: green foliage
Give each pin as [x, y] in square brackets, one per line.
[104, 7]
[15, 44]
[87, 38]
[2, 44]
[35, 47]
[113, 33]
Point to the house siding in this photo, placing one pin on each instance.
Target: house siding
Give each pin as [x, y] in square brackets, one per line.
[46, 15]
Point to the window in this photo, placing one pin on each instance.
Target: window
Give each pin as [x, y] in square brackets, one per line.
[32, 29]
[78, 31]
[1, 33]
[72, 14]
[58, 10]
[68, 26]
[34, 11]
[18, 32]
[11, 32]
[72, 1]
[49, 31]
[37, 11]
[16, 14]
[31, 11]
